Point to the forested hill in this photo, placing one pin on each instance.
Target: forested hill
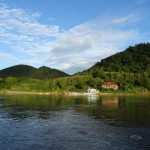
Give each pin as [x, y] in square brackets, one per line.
[31, 72]
[134, 59]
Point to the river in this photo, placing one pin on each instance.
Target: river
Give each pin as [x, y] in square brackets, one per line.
[58, 122]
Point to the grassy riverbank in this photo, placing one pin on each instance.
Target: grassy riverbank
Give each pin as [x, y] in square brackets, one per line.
[70, 93]
[27, 92]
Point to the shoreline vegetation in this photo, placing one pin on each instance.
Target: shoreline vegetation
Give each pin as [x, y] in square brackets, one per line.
[78, 84]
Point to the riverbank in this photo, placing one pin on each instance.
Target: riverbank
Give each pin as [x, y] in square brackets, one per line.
[27, 92]
[71, 93]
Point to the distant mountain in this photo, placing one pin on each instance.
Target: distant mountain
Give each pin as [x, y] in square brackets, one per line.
[134, 59]
[47, 73]
[31, 72]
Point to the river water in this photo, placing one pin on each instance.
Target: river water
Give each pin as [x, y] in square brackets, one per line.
[57, 122]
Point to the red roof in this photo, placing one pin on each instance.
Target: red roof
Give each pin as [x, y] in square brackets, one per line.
[109, 83]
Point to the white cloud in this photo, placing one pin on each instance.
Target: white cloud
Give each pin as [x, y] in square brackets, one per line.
[7, 57]
[73, 50]
[21, 30]
[124, 19]
[85, 44]
[23, 23]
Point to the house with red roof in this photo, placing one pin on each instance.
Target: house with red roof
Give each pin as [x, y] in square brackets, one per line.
[110, 85]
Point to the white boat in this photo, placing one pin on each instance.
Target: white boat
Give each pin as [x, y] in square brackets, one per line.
[91, 91]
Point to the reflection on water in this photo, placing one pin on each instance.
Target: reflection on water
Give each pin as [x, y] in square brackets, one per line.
[110, 103]
[92, 98]
[74, 122]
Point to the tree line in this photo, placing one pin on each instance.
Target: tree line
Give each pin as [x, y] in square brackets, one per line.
[127, 82]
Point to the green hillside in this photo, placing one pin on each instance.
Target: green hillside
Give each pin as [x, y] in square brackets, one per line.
[31, 72]
[134, 59]
[47, 73]
[130, 69]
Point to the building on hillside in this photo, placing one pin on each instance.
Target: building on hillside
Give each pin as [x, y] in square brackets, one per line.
[110, 85]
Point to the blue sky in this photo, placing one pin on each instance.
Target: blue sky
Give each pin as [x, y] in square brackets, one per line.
[69, 35]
